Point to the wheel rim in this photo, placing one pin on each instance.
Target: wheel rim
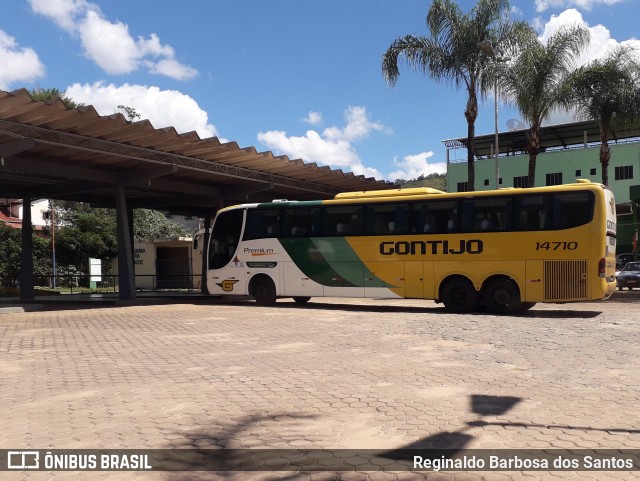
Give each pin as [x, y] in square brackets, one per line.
[459, 296]
[502, 297]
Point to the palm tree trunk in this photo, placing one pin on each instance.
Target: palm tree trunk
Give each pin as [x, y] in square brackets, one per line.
[471, 114]
[533, 136]
[605, 155]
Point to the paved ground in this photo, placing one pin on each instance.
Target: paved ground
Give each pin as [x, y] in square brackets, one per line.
[334, 374]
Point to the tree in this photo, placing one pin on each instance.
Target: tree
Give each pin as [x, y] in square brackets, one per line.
[452, 54]
[151, 224]
[536, 82]
[434, 181]
[85, 232]
[607, 90]
[11, 252]
[129, 113]
[40, 93]
[88, 231]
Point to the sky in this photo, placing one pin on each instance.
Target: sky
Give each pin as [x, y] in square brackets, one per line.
[294, 77]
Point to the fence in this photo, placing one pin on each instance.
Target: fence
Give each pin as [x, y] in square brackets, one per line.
[78, 283]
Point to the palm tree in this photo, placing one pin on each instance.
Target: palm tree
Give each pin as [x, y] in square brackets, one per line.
[452, 53]
[536, 82]
[607, 90]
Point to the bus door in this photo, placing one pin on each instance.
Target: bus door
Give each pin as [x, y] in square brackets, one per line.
[414, 280]
[225, 274]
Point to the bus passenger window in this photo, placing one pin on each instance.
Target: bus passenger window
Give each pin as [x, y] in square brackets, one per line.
[343, 220]
[262, 223]
[302, 221]
[532, 212]
[572, 209]
[487, 214]
[434, 217]
[387, 219]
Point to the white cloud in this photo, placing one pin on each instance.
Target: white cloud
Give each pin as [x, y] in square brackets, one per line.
[314, 118]
[164, 108]
[333, 147]
[110, 44]
[413, 166]
[542, 5]
[62, 12]
[600, 44]
[24, 62]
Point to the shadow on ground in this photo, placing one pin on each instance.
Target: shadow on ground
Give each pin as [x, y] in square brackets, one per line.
[238, 447]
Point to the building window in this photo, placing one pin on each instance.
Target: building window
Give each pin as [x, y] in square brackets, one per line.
[593, 171]
[520, 181]
[486, 181]
[578, 173]
[462, 186]
[500, 181]
[554, 178]
[188, 217]
[624, 172]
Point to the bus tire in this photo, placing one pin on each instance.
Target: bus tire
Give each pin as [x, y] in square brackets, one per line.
[301, 300]
[263, 291]
[459, 295]
[502, 296]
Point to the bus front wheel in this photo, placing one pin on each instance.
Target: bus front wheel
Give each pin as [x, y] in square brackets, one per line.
[459, 295]
[502, 296]
[264, 291]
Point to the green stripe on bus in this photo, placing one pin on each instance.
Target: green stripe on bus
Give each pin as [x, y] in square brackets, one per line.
[330, 261]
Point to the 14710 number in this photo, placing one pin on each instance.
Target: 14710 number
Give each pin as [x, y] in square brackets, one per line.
[556, 246]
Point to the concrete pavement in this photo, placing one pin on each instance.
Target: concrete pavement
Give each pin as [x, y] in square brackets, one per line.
[333, 374]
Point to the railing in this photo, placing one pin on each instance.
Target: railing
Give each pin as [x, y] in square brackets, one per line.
[85, 283]
[505, 155]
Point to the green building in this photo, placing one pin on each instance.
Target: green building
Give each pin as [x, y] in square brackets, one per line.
[569, 152]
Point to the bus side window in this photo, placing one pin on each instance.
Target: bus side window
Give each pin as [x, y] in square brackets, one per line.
[343, 220]
[572, 209]
[423, 220]
[302, 221]
[490, 214]
[532, 212]
[387, 219]
[262, 223]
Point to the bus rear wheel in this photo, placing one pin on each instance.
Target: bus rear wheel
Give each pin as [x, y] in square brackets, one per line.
[502, 296]
[301, 300]
[459, 295]
[264, 291]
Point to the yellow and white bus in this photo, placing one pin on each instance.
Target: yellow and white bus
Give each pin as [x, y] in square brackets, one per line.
[503, 250]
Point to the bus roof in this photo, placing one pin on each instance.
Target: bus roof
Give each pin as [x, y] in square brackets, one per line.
[366, 194]
[416, 193]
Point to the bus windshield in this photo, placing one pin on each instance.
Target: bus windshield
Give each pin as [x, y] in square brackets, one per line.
[224, 238]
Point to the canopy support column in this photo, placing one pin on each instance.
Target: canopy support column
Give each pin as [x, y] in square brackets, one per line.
[126, 279]
[26, 261]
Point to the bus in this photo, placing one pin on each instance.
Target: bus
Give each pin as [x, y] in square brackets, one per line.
[501, 250]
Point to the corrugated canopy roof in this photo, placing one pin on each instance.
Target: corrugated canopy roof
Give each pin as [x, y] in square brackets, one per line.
[553, 137]
[49, 151]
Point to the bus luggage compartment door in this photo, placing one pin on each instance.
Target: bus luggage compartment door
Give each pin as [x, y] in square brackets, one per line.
[297, 283]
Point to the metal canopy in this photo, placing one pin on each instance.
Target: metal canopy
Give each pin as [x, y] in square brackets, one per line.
[49, 151]
[553, 137]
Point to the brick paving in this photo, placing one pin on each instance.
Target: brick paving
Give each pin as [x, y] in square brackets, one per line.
[333, 374]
